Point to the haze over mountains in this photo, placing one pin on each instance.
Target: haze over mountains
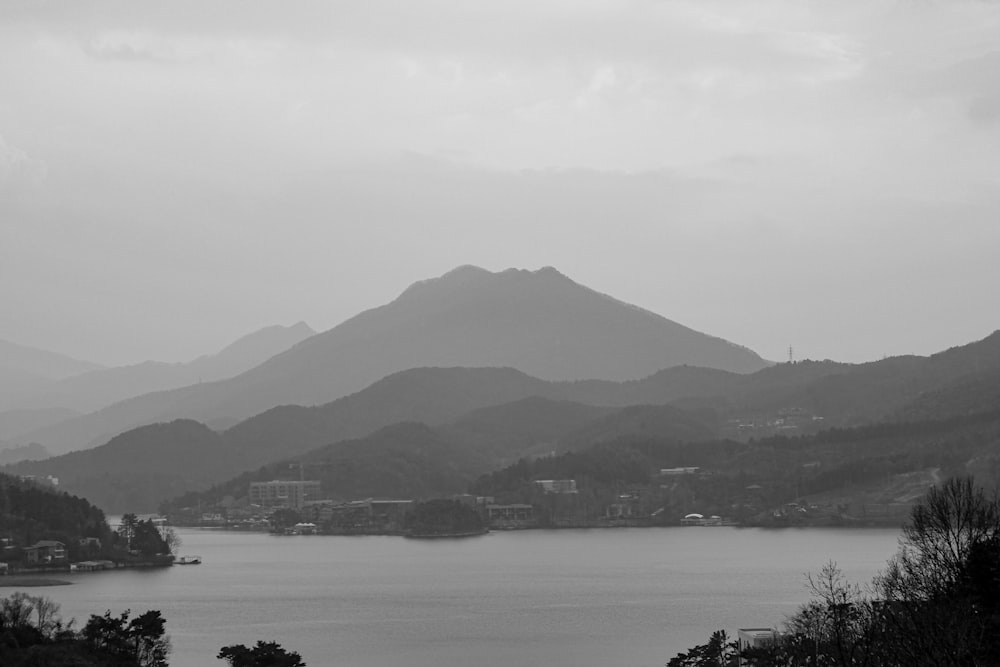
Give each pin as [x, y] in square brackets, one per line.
[443, 365]
[72, 387]
[539, 322]
[482, 418]
[26, 369]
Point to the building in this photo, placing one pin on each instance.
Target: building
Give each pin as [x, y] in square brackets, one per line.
[47, 480]
[372, 514]
[90, 544]
[675, 472]
[516, 513]
[277, 493]
[753, 638]
[45, 551]
[557, 485]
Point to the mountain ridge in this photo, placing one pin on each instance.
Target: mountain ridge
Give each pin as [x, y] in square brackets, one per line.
[540, 322]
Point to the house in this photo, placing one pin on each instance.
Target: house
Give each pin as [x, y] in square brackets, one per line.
[90, 543]
[45, 551]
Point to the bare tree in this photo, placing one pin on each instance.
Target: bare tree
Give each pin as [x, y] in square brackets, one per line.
[940, 591]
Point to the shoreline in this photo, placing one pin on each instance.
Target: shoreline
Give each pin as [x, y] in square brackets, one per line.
[18, 581]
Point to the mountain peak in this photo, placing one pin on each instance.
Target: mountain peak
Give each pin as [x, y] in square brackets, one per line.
[465, 270]
[469, 275]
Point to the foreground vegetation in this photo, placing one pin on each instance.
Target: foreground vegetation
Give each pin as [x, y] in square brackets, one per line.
[936, 604]
[33, 635]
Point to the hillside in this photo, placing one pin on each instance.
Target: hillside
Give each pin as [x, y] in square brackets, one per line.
[532, 425]
[863, 475]
[30, 512]
[541, 323]
[413, 460]
[132, 470]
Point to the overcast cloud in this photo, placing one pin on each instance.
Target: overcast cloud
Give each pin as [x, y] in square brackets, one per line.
[817, 174]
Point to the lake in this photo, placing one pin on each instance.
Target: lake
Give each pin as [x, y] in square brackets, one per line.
[580, 598]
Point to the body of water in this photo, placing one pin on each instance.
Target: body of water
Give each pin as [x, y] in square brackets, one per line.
[580, 598]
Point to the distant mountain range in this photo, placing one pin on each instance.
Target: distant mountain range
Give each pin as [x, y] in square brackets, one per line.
[96, 389]
[495, 415]
[539, 322]
[38, 408]
[26, 369]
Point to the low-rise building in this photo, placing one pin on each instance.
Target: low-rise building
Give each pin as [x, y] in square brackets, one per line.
[753, 638]
[45, 551]
[675, 472]
[557, 485]
[509, 513]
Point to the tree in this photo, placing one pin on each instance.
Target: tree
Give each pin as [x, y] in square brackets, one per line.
[941, 592]
[147, 540]
[141, 641]
[126, 529]
[937, 604]
[264, 654]
[171, 539]
[718, 652]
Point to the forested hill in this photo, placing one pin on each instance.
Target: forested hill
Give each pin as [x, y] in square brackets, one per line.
[32, 511]
[413, 460]
[143, 467]
[883, 467]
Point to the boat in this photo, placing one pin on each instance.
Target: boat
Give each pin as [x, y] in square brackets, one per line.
[187, 560]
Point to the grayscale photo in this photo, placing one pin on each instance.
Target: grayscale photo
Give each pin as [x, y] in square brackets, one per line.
[447, 333]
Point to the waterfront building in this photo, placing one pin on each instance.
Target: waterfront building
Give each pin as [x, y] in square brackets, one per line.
[508, 513]
[45, 551]
[279, 493]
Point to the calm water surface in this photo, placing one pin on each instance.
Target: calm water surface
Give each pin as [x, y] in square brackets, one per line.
[581, 598]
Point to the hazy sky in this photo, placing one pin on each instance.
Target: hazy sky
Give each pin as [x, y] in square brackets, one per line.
[785, 172]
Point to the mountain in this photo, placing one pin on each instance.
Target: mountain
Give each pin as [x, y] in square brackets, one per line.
[404, 460]
[413, 460]
[539, 322]
[249, 351]
[99, 388]
[492, 415]
[502, 413]
[499, 414]
[26, 369]
[14, 422]
[528, 426]
[642, 421]
[132, 470]
[31, 452]
[41, 363]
